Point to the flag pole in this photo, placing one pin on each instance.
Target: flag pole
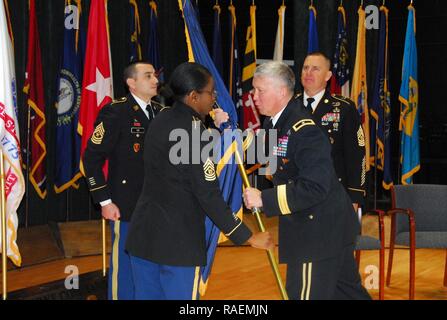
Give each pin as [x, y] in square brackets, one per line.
[28, 151]
[256, 213]
[376, 165]
[3, 217]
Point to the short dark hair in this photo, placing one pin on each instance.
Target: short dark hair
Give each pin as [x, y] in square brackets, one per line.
[187, 77]
[320, 54]
[131, 70]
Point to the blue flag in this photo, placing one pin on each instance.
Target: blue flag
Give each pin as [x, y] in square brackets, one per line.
[312, 40]
[380, 108]
[340, 70]
[153, 51]
[229, 178]
[408, 96]
[68, 141]
[217, 41]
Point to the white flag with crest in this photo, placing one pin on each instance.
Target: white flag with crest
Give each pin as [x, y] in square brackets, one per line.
[10, 144]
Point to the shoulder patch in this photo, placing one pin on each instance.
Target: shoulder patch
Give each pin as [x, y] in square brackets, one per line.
[342, 98]
[302, 123]
[119, 100]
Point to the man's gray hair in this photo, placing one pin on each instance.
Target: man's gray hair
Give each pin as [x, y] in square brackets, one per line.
[278, 70]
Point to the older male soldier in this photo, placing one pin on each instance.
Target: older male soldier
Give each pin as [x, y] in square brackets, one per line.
[337, 116]
[317, 223]
[119, 134]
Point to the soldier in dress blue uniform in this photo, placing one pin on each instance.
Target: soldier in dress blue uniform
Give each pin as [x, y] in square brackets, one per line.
[120, 131]
[317, 223]
[166, 237]
[338, 117]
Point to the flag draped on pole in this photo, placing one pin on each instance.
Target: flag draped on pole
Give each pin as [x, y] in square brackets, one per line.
[229, 179]
[9, 137]
[340, 70]
[409, 98]
[250, 113]
[279, 42]
[97, 90]
[380, 105]
[135, 30]
[153, 51]
[68, 142]
[235, 77]
[312, 40]
[359, 92]
[36, 103]
[217, 40]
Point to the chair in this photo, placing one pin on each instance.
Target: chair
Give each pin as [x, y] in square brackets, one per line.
[365, 242]
[418, 220]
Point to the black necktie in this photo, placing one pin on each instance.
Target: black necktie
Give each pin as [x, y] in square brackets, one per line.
[309, 103]
[150, 112]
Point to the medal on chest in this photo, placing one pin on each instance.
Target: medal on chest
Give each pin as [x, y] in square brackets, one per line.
[280, 150]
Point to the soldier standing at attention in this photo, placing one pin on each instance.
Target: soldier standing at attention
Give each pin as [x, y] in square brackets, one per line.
[119, 135]
[338, 117]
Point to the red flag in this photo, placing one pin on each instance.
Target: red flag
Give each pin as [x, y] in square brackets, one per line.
[97, 88]
[36, 102]
[250, 113]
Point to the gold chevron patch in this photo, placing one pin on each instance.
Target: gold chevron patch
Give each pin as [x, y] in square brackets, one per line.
[361, 137]
[209, 170]
[302, 123]
[98, 134]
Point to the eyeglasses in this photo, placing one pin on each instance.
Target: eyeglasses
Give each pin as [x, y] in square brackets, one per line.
[211, 93]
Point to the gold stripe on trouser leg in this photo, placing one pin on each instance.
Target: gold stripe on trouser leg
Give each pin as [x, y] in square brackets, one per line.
[309, 280]
[115, 253]
[304, 282]
[196, 283]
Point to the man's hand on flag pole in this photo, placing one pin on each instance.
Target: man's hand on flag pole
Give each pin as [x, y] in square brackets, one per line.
[219, 116]
[252, 198]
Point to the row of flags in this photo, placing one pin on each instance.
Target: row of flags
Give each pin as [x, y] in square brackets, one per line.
[85, 86]
[376, 121]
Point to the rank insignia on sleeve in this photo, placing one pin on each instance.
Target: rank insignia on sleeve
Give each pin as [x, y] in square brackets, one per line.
[361, 137]
[98, 134]
[136, 147]
[209, 170]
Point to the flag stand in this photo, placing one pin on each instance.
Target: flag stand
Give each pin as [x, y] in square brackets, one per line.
[256, 213]
[4, 238]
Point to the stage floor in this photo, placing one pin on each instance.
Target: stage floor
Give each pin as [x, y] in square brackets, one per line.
[238, 273]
